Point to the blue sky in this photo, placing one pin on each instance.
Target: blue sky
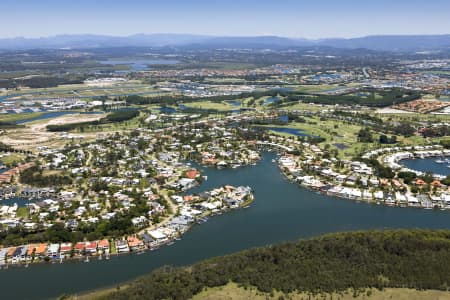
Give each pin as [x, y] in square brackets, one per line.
[292, 18]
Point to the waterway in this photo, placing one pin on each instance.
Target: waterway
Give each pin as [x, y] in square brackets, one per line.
[427, 165]
[282, 211]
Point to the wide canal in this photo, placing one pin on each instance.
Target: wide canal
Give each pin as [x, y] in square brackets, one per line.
[282, 211]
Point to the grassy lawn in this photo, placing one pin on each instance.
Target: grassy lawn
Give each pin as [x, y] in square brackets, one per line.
[113, 247]
[305, 106]
[11, 159]
[322, 87]
[52, 172]
[22, 212]
[234, 291]
[19, 117]
[223, 106]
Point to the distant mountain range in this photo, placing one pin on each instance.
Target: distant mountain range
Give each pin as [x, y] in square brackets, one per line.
[381, 42]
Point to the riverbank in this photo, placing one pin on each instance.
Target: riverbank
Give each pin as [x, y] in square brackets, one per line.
[333, 264]
[233, 291]
[190, 211]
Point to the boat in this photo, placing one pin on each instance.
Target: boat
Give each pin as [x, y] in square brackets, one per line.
[439, 161]
[205, 177]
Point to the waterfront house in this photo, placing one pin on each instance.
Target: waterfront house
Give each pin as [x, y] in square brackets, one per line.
[65, 248]
[122, 246]
[91, 248]
[157, 235]
[79, 247]
[103, 245]
[134, 243]
[53, 250]
[3, 255]
[147, 239]
[41, 250]
[31, 249]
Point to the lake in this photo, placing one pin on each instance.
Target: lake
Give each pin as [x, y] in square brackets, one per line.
[293, 131]
[282, 211]
[427, 165]
[139, 65]
[271, 100]
[55, 114]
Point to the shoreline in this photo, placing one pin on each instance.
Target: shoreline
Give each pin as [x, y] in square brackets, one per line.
[198, 220]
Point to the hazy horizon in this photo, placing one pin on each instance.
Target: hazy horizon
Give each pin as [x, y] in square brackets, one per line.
[218, 36]
[320, 19]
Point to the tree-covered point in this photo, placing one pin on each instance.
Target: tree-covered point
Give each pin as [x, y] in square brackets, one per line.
[418, 259]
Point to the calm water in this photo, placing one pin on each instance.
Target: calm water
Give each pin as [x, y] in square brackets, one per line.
[21, 202]
[234, 102]
[271, 100]
[139, 65]
[293, 131]
[54, 114]
[427, 165]
[282, 211]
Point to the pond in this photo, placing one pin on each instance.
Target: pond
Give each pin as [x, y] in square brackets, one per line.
[271, 100]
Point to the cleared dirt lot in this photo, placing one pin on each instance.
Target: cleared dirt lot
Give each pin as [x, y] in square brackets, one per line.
[34, 134]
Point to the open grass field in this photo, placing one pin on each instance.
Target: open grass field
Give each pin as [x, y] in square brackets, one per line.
[305, 106]
[320, 88]
[232, 291]
[222, 106]
[19, 117]
[12, 158]
[335, 132]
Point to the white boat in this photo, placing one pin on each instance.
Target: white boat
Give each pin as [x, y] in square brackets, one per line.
[439, 161]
